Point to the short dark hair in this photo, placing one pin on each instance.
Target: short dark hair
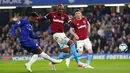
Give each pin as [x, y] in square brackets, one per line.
[77, 10]
[34, 14]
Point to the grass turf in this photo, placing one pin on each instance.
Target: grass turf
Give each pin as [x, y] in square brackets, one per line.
[101, 66]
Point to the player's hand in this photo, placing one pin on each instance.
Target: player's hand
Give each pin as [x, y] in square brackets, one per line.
[76, 37]
[12, 39]
[40, 18]
[41, 37]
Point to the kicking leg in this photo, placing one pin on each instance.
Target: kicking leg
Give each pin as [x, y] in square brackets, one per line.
[74, 53]
[39, 52]
[70, 58]
[47, 57]
[61, 56]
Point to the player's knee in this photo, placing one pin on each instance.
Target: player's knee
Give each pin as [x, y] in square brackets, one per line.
[70, 42]
[80, 51]
[90, 51]
[38, 51]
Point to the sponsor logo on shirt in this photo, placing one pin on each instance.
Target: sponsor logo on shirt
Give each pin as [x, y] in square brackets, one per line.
[57, 20]
[77, 24]
[54, 16]
[82, 26]
[62, 18]
[18, 22]
[84, 22]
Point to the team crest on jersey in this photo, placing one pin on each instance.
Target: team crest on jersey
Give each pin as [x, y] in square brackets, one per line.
[84, 22]
[54, 16]
[77, 23]
[62, 18]
[18, 22]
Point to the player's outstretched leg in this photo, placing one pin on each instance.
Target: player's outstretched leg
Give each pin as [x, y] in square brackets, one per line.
[74, 53]
[39, 52]
[70, 58]
[61, 56]
[88, 59]
[47, 57]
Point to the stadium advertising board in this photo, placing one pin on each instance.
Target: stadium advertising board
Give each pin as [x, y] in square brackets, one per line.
[95, 56]
[15, 2]
[55, 2]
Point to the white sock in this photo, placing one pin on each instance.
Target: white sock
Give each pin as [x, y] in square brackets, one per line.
[33, 59]
[45, 56]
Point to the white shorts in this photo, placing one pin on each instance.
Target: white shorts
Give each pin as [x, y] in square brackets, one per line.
[61, 39]
[84, 43]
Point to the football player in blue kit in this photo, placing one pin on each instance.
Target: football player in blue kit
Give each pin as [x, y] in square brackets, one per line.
[26, 37]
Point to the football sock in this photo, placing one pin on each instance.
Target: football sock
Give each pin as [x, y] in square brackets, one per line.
[72, 57]
[45, 56]
[74, 53]
[62, 56]
[33, 59]
[89, 58]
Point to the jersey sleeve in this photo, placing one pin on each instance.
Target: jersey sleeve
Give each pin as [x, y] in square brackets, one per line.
[34, 36]
[18, 24]
[67, 19]
[87, 22]
[71, 23]
[48, 16]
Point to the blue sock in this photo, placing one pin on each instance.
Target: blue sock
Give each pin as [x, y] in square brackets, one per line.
[62, 56]
[72, 57]
[89, 58]
[74, 53]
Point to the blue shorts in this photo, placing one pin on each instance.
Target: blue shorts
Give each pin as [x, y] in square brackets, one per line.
[30, 45]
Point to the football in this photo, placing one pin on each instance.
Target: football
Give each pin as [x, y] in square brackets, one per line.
[123, 47]
[66, 50]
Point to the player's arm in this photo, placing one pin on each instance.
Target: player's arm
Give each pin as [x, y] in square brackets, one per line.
[72, 31]
[46, 17]
[18, 24]
[32, 35]
[88, 24]
[88, 27]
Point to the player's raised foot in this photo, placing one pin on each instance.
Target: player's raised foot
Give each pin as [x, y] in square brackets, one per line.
[52, 66]
[89, 66]
[56, 61]
[28, 67]
[67, 62]
[81, 64]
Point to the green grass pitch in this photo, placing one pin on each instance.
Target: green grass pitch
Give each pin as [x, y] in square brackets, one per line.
[101, 66]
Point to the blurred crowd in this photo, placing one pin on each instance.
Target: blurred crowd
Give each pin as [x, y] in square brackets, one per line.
[108, 31]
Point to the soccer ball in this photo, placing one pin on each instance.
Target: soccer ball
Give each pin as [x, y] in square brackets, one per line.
[123, 47]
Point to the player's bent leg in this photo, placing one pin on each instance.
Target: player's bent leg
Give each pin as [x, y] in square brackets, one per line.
[73, 50]
[74, 53]
[68, 60]
[61, 56]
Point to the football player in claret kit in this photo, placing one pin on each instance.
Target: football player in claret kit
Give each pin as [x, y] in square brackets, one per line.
[57, 21]
[26, 37]
[80, 27]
